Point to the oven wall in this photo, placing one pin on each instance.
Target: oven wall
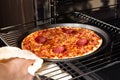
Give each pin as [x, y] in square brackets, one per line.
[14, 12]
[100, 9]
[21, 11]
[104, 9]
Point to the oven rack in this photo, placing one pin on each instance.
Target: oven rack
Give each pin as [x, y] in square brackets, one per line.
[80, 69]
[83, 18]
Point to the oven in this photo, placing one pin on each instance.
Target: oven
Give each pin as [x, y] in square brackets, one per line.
[101, 13]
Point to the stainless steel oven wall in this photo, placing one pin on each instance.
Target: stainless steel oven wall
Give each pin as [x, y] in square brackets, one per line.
[45, 10]
[13, 12]
[118, 8]
[101, 9]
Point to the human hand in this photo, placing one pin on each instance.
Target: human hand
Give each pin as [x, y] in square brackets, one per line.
[15, 69]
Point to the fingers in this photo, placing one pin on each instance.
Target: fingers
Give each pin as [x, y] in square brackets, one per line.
[20, 62]
[18, 69]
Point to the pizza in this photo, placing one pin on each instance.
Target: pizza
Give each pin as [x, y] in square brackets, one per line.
[62, 42]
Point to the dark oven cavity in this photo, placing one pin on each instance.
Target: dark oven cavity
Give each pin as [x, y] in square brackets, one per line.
[80, 69]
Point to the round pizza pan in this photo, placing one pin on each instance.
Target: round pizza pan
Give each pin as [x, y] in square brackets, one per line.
[103, 34]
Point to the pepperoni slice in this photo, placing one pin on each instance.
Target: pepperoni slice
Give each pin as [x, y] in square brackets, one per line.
[82, 42]
[59, 49]
[68, 31]
[40, 39]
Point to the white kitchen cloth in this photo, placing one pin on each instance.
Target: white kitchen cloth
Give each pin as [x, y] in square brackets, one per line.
[8, 52]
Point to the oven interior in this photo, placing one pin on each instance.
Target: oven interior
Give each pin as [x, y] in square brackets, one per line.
[106, 16]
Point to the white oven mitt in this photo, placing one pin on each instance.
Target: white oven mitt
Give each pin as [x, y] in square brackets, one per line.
[8, 52]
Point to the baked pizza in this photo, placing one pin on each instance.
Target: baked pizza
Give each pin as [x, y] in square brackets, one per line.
[62, 42]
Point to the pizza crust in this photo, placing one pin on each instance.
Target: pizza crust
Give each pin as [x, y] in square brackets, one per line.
[95, 48]
[8, 52]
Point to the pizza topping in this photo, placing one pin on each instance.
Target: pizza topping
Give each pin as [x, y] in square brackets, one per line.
[40, 39]
[59, 49]
[82, 42]
[67, 31]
